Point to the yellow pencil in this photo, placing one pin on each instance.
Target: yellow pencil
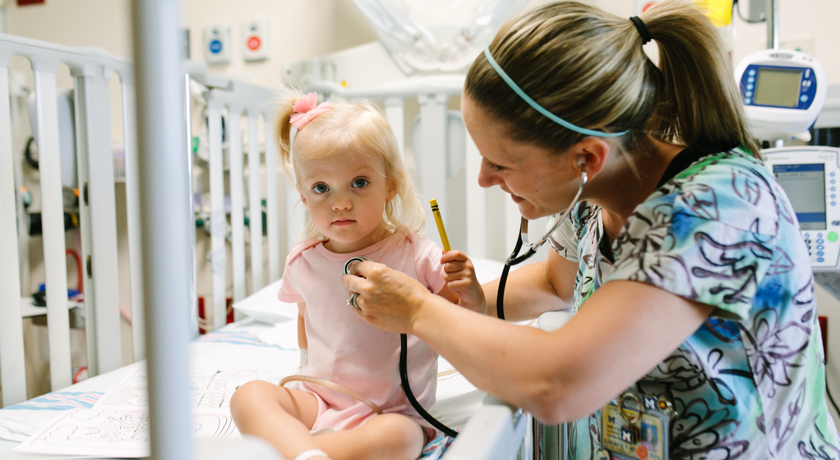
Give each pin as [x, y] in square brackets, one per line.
[443, 239]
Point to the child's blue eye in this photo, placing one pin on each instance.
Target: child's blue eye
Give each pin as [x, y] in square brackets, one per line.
[320, 188]
[360, 183]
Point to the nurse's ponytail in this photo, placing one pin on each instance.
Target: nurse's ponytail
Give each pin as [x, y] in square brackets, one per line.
[588, 67]
[699, 102]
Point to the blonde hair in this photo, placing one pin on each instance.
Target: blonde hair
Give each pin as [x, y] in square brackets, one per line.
[350, 128]
[588, 67]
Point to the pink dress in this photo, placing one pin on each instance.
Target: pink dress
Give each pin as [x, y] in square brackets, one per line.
[346, 350]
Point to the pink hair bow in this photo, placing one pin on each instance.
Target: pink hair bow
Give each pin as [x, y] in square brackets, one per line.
[306, 110]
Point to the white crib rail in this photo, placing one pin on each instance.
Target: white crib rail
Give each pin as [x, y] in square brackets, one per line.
[239, 99]
[91, 70]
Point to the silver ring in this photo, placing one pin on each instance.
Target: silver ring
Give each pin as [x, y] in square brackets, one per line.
[352, 300]
[352, 260]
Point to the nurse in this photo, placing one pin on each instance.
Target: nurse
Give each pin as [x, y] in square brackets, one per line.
[683, 260]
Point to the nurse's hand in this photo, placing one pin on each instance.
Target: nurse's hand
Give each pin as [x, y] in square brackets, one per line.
[388, 299]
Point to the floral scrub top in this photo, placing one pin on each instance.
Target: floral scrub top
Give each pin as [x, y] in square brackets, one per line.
[750, 383]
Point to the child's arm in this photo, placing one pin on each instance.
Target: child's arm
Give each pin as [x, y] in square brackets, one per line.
[301, 334]
[460, 280]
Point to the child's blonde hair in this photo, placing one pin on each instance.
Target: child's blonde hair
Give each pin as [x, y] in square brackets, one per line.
[350, 128]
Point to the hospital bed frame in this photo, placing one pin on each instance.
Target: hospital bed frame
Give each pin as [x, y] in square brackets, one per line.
[496, 431]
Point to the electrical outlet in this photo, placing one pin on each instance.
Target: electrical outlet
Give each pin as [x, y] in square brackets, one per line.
[805, 44]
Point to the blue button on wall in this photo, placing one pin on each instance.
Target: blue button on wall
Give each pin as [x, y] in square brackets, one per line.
[820, 259]
[833, 181]
[807, 235]
[833, 188]
[819, 235]
[832, 174]
[820, 247]
[820, 253]
[833, 203]
[820, 241]
[833, 196]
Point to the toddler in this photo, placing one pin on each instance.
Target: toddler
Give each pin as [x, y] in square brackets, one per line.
[361, 202]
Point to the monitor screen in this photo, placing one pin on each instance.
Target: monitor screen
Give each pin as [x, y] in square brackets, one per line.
[777, 87]
[805, 187]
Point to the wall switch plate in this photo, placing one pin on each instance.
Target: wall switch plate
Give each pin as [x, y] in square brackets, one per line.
[217, 44]
[256, 41]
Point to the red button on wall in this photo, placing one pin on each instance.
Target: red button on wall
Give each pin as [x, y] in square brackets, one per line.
[254, 43]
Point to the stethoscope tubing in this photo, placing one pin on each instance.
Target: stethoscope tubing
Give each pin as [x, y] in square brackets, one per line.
[403, 367]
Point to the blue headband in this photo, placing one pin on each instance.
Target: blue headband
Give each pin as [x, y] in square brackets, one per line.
[540, 108]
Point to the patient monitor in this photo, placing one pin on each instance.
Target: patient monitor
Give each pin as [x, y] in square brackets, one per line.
[809, 176]
[783, 92]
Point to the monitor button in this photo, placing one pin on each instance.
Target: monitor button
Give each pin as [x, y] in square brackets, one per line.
[832, 236]
[820, 259]
[804, 98]
[820, 253]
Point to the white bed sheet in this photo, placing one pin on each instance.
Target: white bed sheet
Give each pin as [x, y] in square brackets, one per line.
[246, 350]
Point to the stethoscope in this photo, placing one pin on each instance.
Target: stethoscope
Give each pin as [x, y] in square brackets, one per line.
[522, 240]
[513, 259]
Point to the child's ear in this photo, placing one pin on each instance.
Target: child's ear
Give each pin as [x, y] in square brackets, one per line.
[302, 198]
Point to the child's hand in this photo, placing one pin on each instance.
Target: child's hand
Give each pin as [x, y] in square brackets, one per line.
[459, 274]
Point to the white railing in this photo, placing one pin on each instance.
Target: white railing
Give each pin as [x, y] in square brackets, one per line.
[91, 70]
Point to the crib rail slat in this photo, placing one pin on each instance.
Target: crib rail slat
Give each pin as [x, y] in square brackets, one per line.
[395, 114]
[52, 215]
[476, 204]
[272, 210]
[95, 123]
[12, 361]
[237, 218]
[433, 168]
[218, 218]
[85, 229]
[132, 199]
[255, 202]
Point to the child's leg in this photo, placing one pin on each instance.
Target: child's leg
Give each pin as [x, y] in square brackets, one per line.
[279, 415]
[386, 436]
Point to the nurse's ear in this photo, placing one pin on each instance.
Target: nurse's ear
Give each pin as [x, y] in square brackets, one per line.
[590, 155]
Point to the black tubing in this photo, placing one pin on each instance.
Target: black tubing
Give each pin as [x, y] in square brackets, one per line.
[407, 388]
[500, 293]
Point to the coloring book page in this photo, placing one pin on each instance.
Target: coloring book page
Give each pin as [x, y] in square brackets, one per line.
[209, 388]
[116, 432]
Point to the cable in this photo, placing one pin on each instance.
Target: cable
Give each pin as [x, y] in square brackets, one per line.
[27, 153]
[831, 398]
[79, 274]
[737, 7]
[500, 294]
[416, 405]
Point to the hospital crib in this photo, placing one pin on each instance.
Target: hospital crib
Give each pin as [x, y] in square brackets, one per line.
[491, 433]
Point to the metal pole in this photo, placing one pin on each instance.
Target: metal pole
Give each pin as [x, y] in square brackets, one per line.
[191, 201]
[772, 24]
[164, 210]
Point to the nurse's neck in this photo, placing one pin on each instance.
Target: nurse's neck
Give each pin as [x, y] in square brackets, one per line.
[627, 181]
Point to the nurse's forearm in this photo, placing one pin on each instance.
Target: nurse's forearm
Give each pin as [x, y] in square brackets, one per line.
[528, 293]
[505, 360]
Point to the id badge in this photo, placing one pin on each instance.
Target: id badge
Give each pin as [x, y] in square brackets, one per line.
[635, 427]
